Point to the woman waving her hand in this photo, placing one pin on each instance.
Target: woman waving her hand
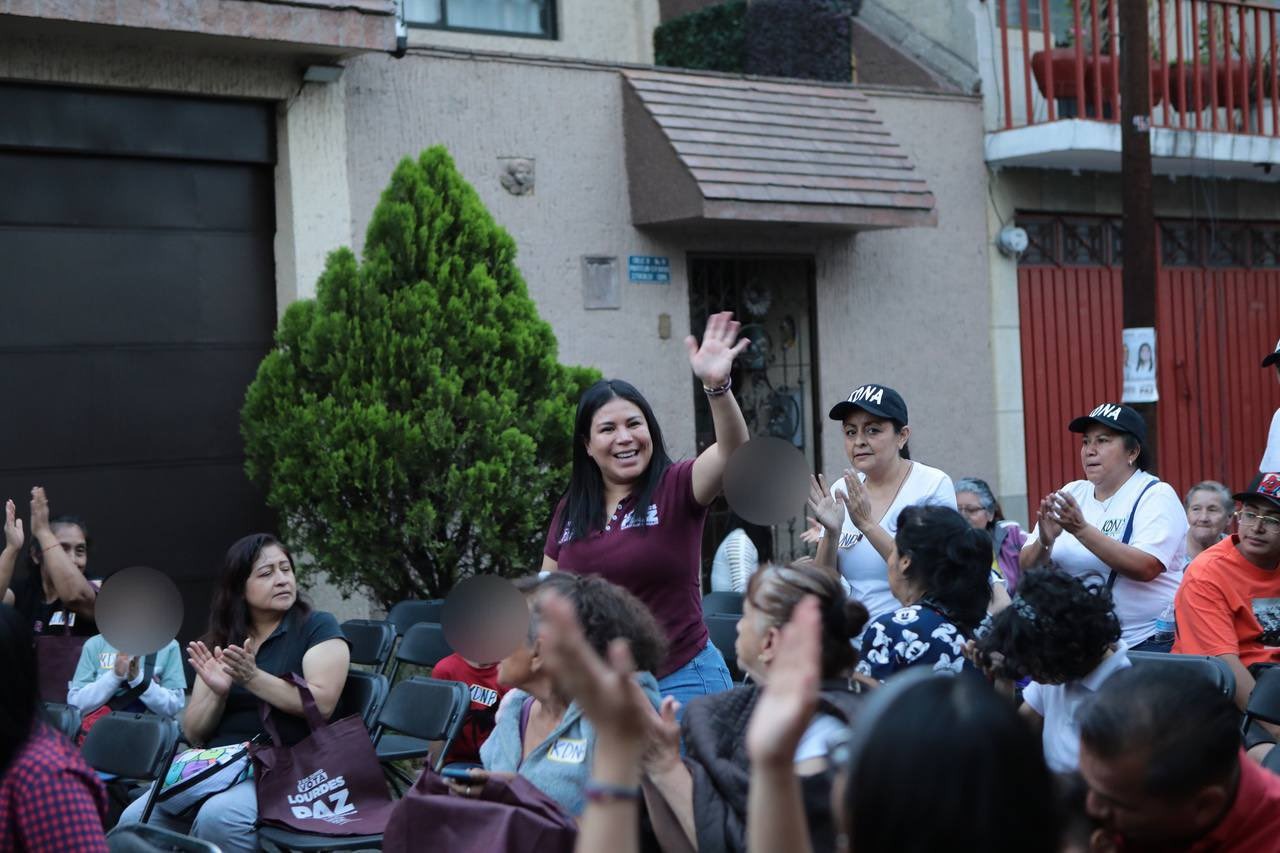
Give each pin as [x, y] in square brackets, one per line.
[635, 517]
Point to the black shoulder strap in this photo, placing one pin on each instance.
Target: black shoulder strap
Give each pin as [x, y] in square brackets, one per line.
[1128, 528]
[125, 699]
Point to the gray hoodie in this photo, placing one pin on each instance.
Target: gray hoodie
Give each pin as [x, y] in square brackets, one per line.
[561, 764]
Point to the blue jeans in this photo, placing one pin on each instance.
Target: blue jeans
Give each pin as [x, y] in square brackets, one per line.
[706, 673]
[228, 819]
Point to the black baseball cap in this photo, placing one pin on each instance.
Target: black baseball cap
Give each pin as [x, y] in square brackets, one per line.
[1115, 416]
[879, 400]
[1265, 486]
[1273, 358]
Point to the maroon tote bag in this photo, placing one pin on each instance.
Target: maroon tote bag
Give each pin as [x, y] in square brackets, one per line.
[510, 816]
[329, 783]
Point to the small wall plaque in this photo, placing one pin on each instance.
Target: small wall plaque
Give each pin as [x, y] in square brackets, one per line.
[600, 288]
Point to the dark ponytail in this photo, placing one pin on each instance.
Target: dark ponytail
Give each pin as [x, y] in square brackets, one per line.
[774, 591]
[950, 561]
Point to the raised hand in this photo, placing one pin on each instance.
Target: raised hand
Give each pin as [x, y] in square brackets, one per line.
[787, 702]
[13, 536]
[857, 501]
[240, 662]
[713, 359]
[828, 511]
[208, 666]
[662, 742]
[39, 512]
[1048, 525]
[812, 534]
[605, 690]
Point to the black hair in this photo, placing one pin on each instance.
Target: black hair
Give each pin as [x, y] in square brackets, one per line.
[584, 510]
[607, 612]
[776, 590]
[1179, 719]
[761, 537]
[905, 450]
[229, 620]
[1131, 443]
[1057, 629]
[950, 561]
[19, 701]
[34, 555]
[925, 733]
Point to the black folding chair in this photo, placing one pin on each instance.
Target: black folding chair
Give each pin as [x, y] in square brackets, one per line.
[410, 612]
[132, 746]
[1212, 668]
[423, 645]
[362, 695]
[65, 718]
[371, 641]
[723, 630]
[1264, 701]
[145, 838]
[420, 710]
[722, 603]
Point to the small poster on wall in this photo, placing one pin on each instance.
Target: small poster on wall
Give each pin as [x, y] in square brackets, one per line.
[1139, 365]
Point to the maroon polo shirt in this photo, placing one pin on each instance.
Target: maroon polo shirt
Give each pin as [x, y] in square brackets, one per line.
[655, 554]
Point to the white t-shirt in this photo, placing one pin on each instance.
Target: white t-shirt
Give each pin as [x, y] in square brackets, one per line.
[735, 560]
[1271, 459]
[860, 563]
[1059, 704]
[816, 741]
[1159, 529]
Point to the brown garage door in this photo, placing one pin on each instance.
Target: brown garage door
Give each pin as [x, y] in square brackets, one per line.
[138, 296]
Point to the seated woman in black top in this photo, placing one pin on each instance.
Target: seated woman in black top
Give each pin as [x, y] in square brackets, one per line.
[259, 630]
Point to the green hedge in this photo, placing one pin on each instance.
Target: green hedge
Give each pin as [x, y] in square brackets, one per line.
[711, 39]
[805, 39]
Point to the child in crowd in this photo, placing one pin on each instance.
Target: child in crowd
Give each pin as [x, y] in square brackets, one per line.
[1066, 637]
[107, 680]
[486, 693]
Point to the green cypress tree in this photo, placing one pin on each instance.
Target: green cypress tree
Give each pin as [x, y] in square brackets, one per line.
[412, 424]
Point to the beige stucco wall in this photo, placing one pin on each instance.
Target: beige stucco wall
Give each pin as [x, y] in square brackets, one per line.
[604, 30]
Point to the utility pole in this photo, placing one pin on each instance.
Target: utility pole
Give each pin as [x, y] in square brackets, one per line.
[1139, 277]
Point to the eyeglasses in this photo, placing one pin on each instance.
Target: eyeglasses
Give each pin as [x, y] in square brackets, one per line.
[1268, 524]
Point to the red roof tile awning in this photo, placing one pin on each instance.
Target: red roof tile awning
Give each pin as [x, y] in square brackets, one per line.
[714, 148]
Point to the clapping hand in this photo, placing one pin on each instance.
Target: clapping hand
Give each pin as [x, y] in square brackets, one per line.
[662, 741]
[828, 510]
[240, 662]
[208, 665]
[787, 702]
[1048, 525]
[1065, 512]
[857, 500]
[713, 359]
[39, 512]
[13, 536]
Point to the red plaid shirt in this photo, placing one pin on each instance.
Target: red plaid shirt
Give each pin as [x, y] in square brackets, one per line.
[50, 800]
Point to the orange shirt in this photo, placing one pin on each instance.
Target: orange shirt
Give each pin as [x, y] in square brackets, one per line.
[1227, 605]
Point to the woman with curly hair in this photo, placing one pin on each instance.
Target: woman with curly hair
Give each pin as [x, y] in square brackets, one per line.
[1066, 638]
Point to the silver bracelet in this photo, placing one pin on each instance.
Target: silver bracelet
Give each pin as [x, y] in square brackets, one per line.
[719, 390]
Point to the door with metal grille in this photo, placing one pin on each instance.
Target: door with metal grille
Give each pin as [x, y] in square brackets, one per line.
[775, 377]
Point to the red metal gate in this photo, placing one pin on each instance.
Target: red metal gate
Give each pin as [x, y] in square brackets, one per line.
[1218, 313]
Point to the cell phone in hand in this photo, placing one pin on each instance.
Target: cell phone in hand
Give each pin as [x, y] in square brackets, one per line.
[461, 774]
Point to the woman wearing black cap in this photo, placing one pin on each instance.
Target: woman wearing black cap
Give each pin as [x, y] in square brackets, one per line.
[1119, 526]
[860, 515]
[1271, 458]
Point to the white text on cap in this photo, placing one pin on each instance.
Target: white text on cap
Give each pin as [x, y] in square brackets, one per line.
[1106, 410]
[867, 394]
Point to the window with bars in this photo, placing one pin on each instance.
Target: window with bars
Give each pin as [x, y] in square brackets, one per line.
[1098, 241]
[532, 18]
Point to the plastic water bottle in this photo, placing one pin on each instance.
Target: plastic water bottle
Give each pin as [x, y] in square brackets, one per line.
[1165, 626]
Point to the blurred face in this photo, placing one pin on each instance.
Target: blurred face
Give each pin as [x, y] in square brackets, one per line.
[972, 509]
[518, 668]
[1260, 537]
[73, 543]
[870, 442]
[619, 442]
[1118, 799]
[1103, 455]
[271, 585]
[1207, 516]
[755, 642]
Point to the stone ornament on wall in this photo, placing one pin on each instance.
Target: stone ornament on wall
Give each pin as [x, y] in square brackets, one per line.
[516, 175]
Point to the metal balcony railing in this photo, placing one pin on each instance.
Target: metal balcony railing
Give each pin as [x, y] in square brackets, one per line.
[1213, 63]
